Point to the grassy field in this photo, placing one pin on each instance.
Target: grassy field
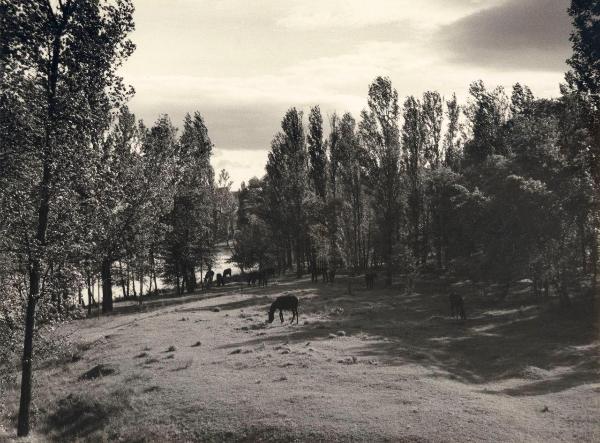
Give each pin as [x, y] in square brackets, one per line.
[377, 365]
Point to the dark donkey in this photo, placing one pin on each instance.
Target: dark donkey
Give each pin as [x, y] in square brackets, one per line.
[457, 306]
[284, 303]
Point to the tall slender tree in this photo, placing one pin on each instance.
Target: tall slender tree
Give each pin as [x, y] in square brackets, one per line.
[62, 60]
[380, 135]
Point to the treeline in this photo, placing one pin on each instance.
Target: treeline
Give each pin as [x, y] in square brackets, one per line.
[496, 190]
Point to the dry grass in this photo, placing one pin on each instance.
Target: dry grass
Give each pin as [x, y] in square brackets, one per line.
[379, 365]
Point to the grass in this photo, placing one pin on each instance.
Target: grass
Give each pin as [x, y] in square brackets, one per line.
[355, 368]
[87, 415]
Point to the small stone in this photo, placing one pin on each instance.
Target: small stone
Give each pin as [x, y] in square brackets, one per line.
[341, 333]
[236, 351]
[215, 309]
[545, 409]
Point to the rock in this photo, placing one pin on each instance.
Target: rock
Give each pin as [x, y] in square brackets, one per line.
[307, 343]
[348, 360]
[415, 410]
[215, 309]
[341, 333]
[236, 351]
[196, 344]
[101, 370]
[171, 349]
[332, 336]
[545, 409]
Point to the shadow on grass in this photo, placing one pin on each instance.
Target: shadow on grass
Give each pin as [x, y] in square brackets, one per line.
[501, 340]
[85, 416]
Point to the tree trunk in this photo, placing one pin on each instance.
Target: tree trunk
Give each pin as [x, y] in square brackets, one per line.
[141, 285]
[25, 400]
[191, 279]
[90, 295]
[107, 297]
[596, 262]
[125, 293]
[154, 272]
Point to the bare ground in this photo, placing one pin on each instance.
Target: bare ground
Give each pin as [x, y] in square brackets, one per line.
[378, 365]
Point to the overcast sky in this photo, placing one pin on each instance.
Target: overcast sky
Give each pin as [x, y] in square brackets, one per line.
[243, 63]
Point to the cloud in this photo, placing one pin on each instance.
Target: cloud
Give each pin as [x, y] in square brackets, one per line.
[243, 64]
[532, 34]
[315, 14]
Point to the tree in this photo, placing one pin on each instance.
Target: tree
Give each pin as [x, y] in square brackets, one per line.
[317, 152]
[287, 178]
[190, 242]
[379, 134]
[62, 61]
[487, 113]
[225, 207]
[413, 146]
[452, 154]
[584, 78]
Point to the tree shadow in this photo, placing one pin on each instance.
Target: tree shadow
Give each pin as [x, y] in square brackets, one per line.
[83, 416]
[501, 340]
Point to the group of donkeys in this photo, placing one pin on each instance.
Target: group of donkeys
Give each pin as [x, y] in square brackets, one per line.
[260, 277]
[221, 278]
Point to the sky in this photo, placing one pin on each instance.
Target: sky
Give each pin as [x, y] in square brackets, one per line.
[243, 63]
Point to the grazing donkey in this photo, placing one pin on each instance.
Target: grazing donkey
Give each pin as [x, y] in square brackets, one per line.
[457, 306]
[284, 303]
[208, 278]
[370, 279]
[220, 280]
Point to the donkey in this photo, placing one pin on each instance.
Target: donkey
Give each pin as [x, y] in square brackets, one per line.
[284, 303]
[208, 278]
[457, 306]
[226, 273]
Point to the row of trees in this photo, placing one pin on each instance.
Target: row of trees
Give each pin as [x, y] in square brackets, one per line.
[86, 191]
